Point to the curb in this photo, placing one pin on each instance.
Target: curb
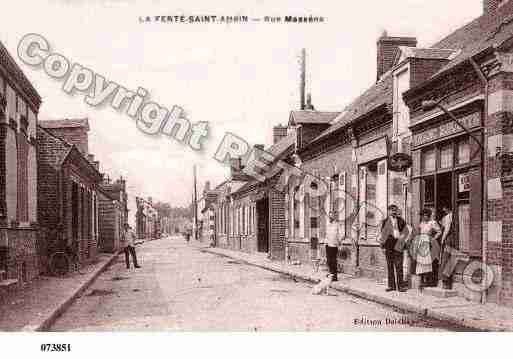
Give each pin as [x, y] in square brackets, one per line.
[416, 309]
[61, 307]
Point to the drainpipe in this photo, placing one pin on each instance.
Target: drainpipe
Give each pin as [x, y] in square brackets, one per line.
[485, 82]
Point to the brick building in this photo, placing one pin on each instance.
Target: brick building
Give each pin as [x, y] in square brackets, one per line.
[251, 215]
[471, 70]
[67, 188]
[113, 214]
[19, 107]
[450, 167]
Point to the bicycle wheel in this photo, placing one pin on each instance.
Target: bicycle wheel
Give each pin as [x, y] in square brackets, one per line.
[59, 264]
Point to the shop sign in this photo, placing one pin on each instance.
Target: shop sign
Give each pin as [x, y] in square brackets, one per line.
[464, 182]
[399, 162]
[446, 129]
[372, 151]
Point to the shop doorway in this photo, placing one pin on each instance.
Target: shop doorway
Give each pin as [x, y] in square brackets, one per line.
[444, 191]
[262, 207]
[438, 191]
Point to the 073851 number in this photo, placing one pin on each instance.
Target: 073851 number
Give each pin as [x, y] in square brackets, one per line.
[55, 347]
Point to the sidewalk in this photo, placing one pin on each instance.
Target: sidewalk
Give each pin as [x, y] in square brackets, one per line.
[459, 311]
[36, 306]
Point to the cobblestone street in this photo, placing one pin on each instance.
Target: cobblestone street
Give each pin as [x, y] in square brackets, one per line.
[179, 287]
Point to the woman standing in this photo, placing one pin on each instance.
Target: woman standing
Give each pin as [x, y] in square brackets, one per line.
[428, 233]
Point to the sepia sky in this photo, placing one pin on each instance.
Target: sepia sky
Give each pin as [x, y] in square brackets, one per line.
[241, 78]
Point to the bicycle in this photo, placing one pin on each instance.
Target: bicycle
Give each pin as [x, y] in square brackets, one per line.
[62, 262]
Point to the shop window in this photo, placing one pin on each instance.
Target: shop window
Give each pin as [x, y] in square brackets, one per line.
[446, 156]
[429, 192]
[429, 160]
[463, 154]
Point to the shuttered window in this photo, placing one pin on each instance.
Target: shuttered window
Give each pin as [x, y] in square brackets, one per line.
[341, 202]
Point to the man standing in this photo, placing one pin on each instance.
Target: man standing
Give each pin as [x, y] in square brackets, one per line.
[447, 243]
[129, 242]
[332, 244]
[392, 241]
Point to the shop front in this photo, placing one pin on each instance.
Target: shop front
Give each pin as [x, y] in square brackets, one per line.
[447, 172]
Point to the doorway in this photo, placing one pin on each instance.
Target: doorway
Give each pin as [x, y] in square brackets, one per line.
[444, 190]
[262, 207]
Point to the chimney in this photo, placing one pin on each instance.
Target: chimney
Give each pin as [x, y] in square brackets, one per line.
[97, 165]
[236, 169]
[387, 50]
[279, 132]
[490, 6]
[90, 157]
[302, 82]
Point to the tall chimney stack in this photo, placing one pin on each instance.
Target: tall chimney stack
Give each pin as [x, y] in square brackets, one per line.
[387, 50]
[302, 83]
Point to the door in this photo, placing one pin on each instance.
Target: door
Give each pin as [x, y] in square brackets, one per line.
[263, 225]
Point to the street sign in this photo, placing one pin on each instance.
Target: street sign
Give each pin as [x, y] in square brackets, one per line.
[399, 162]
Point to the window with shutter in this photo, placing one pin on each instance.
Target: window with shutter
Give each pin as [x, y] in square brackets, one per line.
[362, 200]
[306, 217]
[301, 206]
[342, 216]
[381, 191]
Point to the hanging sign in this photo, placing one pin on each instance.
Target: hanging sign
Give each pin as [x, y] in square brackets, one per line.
[399, 162]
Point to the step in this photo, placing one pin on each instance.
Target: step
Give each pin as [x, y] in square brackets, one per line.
[440, 292]
[7, 283]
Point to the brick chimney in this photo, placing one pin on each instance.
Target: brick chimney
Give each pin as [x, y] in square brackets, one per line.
[236, 168]
[387, 50]
[490, 6]
[279, 132]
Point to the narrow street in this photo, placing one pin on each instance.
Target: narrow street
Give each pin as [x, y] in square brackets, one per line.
[179, 287]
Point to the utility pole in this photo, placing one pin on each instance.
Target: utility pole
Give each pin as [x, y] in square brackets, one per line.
[195, 206]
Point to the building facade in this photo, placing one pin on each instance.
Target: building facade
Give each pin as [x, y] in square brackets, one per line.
[459, 156]
[471, 170]
[19, 107]
[67, 189]
[147, 219]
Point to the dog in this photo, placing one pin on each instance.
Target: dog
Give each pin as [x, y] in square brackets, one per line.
[323, 285]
